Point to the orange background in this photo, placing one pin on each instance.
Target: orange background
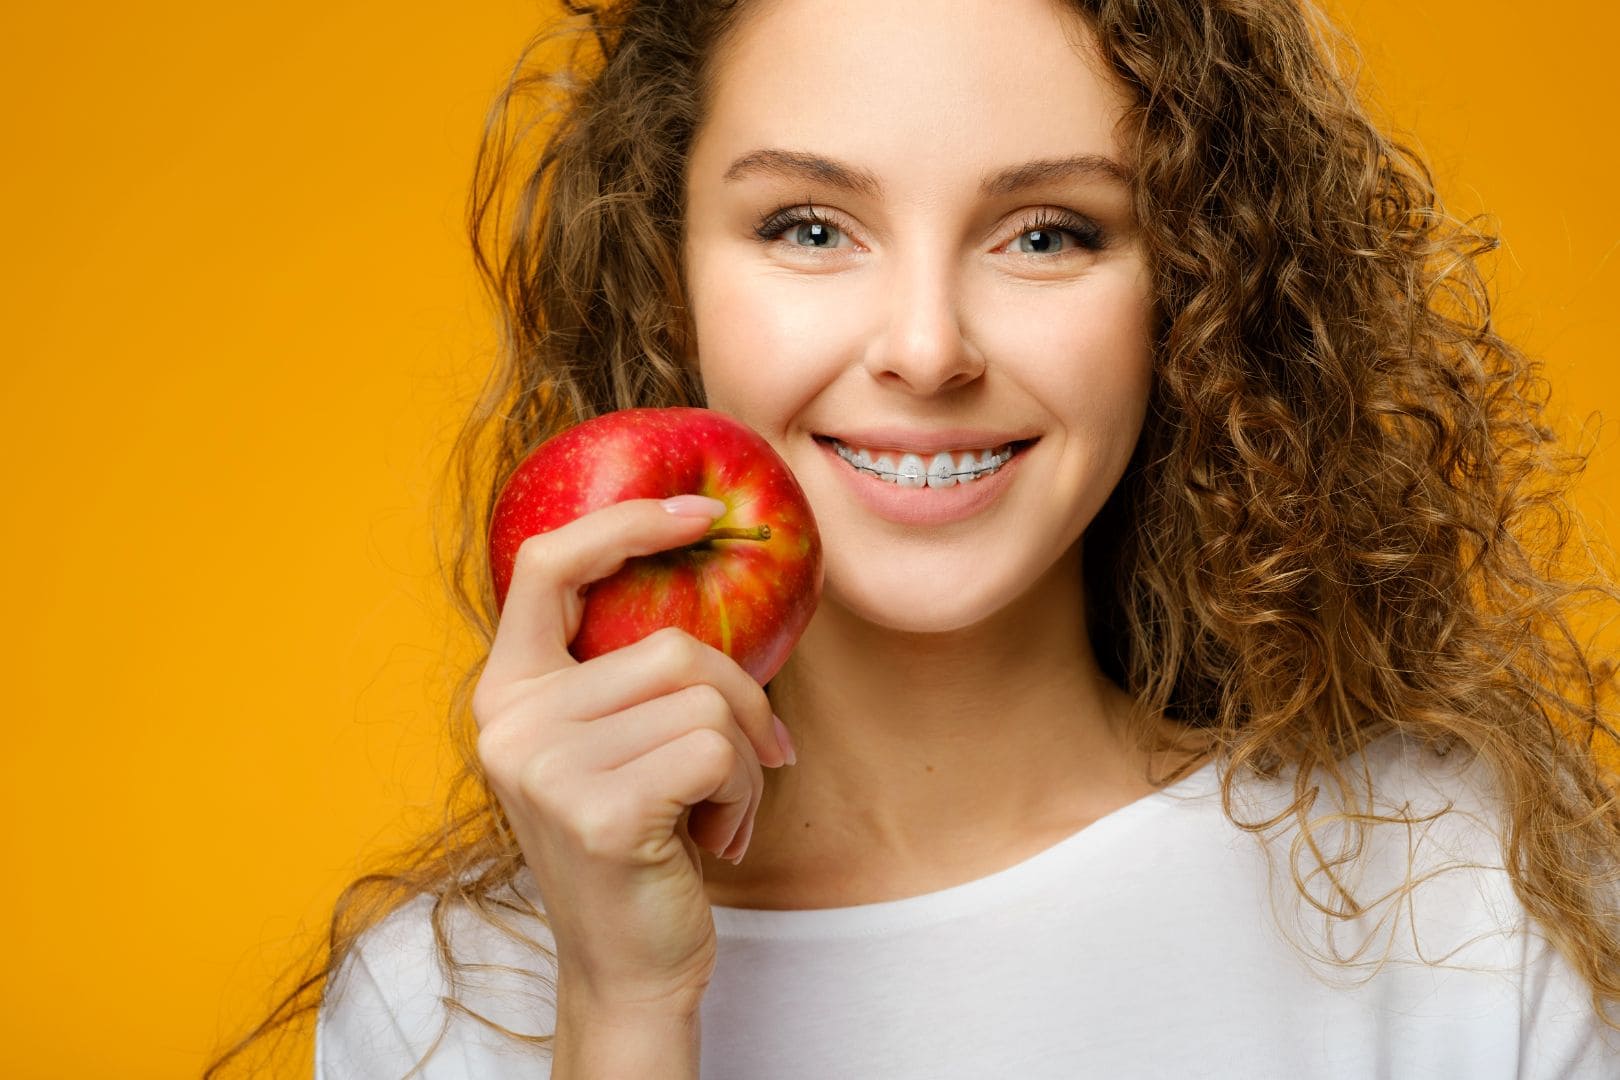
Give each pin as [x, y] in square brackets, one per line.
[244, 327]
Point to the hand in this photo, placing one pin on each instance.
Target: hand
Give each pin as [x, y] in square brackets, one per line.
[613, 771]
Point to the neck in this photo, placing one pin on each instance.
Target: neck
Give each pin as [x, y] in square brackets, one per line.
[914, 748]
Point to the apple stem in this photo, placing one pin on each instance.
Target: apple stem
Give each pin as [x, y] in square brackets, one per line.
[758, 532]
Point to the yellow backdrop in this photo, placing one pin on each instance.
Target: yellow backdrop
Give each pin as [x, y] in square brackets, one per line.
[243, 326]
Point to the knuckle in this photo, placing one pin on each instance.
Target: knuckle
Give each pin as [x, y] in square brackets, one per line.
[495, 752]
[714, 752]
[483, 706]
[488, 747]
[537, 784]
[675, 648]
[533, 553]
[600, 828]
[707, 702]
[519, 704]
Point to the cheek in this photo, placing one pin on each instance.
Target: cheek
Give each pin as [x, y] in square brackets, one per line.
[1092, 356]
[760, 340]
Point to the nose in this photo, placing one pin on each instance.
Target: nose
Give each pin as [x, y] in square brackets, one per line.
[920, 343]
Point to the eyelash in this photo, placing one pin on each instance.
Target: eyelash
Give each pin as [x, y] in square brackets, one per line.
[1089, 237]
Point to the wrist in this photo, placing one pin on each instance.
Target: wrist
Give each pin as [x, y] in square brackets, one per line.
[603, 1039]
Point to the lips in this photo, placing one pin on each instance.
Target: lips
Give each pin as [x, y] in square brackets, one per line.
[925, 505]
[927, 446]
[924, 443]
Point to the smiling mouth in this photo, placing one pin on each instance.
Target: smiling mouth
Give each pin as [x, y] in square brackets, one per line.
[933, 470]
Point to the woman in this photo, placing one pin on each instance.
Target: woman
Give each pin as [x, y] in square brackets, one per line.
[1214, 721]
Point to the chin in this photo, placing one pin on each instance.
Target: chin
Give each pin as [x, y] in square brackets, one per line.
[914, 603]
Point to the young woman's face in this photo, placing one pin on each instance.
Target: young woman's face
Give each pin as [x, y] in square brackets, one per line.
[955, 275]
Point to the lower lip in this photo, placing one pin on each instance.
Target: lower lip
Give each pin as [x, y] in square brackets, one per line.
[924, 505]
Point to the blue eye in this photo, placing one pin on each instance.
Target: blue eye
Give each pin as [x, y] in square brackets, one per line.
[810, 226]
[1051, 226]
[815, 235]
[1040, 242]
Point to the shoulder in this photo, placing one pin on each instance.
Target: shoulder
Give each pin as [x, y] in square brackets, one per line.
[1345, 858]
[421, 982]
[497, 943]
[1431, 807]
[1400, 885]
[1396, 860]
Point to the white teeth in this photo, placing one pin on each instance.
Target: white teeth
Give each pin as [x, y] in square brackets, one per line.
[940, 471]
[912, 472]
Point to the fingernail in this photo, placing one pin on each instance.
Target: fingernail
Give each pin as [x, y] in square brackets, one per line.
[747, 835]
[785, 740]
[695, 506]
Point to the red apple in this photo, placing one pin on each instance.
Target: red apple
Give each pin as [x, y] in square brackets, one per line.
[748, 587]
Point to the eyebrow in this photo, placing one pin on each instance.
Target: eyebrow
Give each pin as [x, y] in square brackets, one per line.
[797, 165]
[1055, 170]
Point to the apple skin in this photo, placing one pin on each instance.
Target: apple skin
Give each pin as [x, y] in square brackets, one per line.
[749, 598]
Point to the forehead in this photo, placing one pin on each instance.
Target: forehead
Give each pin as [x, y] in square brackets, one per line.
[927, 87]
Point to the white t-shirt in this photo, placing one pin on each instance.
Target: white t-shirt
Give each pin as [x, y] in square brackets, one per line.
[1155, 942]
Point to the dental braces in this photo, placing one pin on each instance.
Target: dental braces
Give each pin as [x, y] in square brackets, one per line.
[924, 475]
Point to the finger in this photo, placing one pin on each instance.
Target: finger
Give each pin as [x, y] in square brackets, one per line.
[720, 828]
[739, 842]
[625, 735]
[694, 769]
[661, 663]
[616, 740]
[543, 606]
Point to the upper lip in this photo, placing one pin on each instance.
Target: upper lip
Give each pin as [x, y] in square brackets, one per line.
[926, 442]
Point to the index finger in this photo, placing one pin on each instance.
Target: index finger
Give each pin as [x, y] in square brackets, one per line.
[543, 606]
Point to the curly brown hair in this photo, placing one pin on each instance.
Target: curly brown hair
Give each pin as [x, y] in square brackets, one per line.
[1346, 514]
